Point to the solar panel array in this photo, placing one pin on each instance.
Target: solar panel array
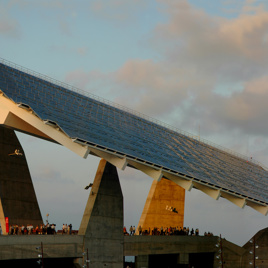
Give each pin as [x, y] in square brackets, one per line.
[98, 123]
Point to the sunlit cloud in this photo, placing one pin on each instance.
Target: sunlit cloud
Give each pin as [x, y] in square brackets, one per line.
[211, 73]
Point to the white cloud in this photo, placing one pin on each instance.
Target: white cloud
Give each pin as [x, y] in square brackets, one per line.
[201, 53]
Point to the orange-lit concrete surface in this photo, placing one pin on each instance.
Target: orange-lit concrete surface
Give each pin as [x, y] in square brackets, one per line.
[164, 206]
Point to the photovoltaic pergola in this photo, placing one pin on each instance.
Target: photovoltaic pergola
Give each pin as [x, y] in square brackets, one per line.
[49, 109]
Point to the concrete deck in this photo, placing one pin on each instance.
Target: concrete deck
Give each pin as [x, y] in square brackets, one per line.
[60, 246]
[24, 247]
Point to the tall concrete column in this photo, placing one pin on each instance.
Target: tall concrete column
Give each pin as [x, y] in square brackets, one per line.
[102, 223]
[18, 201]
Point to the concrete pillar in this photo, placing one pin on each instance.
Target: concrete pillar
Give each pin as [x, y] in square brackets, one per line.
[18, 201]
[102, 223]
[163, 196]
[142, 261]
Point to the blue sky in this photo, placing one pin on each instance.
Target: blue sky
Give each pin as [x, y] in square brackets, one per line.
[198, 65]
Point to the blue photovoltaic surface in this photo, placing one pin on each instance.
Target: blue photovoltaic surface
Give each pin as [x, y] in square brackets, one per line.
[99, 123]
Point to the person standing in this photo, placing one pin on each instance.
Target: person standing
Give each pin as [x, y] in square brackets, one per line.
[192, 231]
[196, 231]
[140, 230]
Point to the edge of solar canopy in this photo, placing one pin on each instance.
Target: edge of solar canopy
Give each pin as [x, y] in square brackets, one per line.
[169, 174]
[122, 160]
[23, 118]
[29, 109]
[45, 121]
[184, 180]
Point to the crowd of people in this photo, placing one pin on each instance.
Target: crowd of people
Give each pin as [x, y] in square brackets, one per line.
[30, 229]
[67, 229]
[164, 231]
[42, 229]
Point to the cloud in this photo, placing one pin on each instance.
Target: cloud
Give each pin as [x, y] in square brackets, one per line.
[31, 3]
[201, 53]
[46, 175]
[9, 26]
[66, 49]
[116, 10]
[214, 45]
[54, 12]
[82, 51]
[64, 27]
[90, 81]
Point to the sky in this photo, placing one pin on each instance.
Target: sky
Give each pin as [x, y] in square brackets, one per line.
[198, 65]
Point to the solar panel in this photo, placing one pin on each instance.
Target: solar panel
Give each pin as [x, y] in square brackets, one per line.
[85, 118]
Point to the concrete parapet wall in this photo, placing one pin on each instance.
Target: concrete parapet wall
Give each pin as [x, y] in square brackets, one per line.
[54, 246]
[143, 247]
[184, 247]
[260, 242]
[147, 245]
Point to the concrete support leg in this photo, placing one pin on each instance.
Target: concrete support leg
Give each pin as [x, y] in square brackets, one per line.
[18, 201]
[142, 261]
[102, 223]
[164, 206]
